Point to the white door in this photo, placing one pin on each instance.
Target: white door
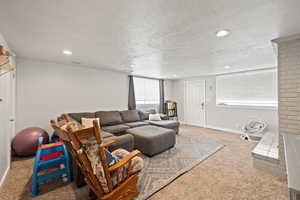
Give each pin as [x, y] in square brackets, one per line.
[194, 108]
[5, 124]
[12, 104]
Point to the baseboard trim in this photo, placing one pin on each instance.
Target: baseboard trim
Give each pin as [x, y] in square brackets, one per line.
[294, 194]
[4, 176]
[223, 129]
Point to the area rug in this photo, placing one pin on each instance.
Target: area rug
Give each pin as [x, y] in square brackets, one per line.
[162, 169]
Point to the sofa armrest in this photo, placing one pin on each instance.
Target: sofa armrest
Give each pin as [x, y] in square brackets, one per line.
[163, 116]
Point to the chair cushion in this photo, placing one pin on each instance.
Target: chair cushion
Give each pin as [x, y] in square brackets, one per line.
[115, 128]
[111, 159]
[91, 149]
[136, 124]
[78, 116]
[108, 118]
[130, 115]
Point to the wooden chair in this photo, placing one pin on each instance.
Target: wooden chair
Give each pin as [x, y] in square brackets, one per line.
[126, 188]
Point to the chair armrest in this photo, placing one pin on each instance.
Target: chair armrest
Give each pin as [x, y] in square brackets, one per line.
[109, 143]
[124, 160]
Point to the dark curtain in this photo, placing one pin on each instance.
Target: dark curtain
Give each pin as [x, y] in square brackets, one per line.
[161, 96]
[131, 95]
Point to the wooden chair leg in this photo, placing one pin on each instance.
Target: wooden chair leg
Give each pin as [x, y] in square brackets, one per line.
[92, 195]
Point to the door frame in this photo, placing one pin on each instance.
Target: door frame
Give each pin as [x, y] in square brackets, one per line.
[185, 102]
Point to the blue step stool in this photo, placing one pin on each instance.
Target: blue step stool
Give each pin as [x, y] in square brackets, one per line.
[48, 156]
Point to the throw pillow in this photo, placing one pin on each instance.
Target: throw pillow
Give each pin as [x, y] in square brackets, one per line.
[88, 122]
[154, 117]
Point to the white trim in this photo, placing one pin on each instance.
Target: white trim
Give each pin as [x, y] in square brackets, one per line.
[249, 107]
[4, 176]
[224, 129]
[286, 39]
[196, 125]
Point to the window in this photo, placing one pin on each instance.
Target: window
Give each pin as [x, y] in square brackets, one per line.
[146, 91]
[255, 88]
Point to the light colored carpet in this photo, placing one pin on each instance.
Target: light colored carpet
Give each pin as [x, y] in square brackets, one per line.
[226, 175]
[163, 168]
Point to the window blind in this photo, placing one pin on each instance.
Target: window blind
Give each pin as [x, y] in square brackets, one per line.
[255, 88]
[146, 91]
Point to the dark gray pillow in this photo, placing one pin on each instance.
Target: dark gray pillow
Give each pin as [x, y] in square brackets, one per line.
[130, 115]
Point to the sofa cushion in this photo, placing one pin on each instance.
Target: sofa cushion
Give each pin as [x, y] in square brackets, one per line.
[78, 116]
[136, 124]
[144, 114]
[165, 123]
[106, 134]
[109, 117]
[130, 115]
[115, 128]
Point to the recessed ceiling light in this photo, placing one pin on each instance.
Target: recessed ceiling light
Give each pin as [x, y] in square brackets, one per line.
[222, 33]
[174, 75]
[67, 52]
[227, 67]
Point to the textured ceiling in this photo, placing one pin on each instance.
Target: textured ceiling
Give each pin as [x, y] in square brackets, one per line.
[156, 38]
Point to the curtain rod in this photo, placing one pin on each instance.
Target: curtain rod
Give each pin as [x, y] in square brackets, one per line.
[137, 76]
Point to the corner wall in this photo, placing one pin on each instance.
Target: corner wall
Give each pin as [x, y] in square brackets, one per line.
[289, 108]
[224, 118]
[46, 90]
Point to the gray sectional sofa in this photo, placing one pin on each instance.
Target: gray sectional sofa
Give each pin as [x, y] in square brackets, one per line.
[117, 125]
[132, 129]
[117, 122]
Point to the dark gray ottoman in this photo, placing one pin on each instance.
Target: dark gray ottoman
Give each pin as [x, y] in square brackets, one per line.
[170, 124]
[151, 140]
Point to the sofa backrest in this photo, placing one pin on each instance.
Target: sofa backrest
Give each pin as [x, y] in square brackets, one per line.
[130, 115]
[144, 114]
[78, 116]
[108, 118]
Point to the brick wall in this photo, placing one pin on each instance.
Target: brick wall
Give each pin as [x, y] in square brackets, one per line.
[289, 90]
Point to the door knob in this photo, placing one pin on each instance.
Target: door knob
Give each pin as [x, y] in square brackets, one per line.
[202, 105]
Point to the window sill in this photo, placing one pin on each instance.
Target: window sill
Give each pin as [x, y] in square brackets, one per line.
[249, 107]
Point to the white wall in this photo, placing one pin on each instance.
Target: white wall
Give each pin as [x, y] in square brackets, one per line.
[168, 89]
[7, 89]
[46, 90]
[230, 119]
